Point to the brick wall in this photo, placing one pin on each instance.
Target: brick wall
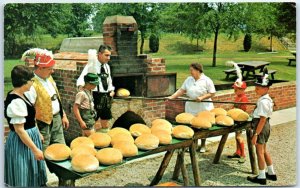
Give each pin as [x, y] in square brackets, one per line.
[156, 65]
[283, 94]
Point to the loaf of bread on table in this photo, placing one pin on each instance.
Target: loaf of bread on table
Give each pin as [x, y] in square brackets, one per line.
[57, 152]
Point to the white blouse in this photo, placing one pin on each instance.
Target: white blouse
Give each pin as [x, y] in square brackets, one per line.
[17, 111]
[196, 88]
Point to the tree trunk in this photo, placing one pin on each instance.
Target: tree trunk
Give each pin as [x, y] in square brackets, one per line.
[271, 41]
[197, 44]
[215, 46]
[142, 43]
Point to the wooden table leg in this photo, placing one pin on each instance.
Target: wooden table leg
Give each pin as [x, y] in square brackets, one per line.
[251, 153]
[220, 148]
[195, 167]
[162, 168]
[66, 183]
[177, 166]
[183, 170]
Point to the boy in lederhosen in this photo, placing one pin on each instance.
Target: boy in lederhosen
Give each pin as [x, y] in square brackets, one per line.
[104, 92]
[84, 106]
[261, 130]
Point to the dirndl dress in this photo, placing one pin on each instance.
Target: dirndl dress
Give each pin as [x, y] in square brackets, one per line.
[21, 169]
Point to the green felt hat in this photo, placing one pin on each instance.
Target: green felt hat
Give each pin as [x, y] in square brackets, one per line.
[91, 78]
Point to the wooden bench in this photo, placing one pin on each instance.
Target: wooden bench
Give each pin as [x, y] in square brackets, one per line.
[291, 60]
[229, 72]
[270, 72]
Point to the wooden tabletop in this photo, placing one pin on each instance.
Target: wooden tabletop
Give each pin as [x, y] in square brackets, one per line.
[254, 64]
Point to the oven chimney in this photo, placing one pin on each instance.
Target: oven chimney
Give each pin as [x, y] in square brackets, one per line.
[121, 33]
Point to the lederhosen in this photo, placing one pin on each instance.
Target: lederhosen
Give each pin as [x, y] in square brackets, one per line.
[264, 135]
[102, 101]
[88, 115]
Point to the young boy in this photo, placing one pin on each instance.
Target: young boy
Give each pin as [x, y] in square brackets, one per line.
[240, 96]
[261, 130]
[84, 106]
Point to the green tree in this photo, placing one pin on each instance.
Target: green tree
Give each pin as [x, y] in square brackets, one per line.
[145, 14]
[24, 22]
[77, 19]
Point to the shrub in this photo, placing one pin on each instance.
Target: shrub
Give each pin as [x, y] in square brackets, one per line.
[247, 42]
[154, 43]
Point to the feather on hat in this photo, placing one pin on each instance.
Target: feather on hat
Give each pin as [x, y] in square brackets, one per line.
[42, 57]
[239, 81]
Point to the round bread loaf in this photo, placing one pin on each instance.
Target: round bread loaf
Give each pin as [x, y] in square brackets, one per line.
[168, 184]
[147, 142]
[101, 140]
[57, 152]
[117, 130]
[121, 92]
[224, 120]
[240, 116]
[164, 137]
[209, 116]
[121, 137]
[185, 118]
[233, 111]
[109, 156]
[83, 149]
[138, 129]
[182, 132]
[219, 111]
[201, 123]
[161, 122]
[127, 149]
[82, 141]
[84, 163]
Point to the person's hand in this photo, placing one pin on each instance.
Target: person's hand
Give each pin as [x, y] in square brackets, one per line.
[42, 138]
[254, 140]
[199, 99]
[83, 125]
[65, 122]
[112, 93]
[38, 155]
[169, 97]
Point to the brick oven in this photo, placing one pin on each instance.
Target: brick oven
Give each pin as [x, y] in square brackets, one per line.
[142, 75]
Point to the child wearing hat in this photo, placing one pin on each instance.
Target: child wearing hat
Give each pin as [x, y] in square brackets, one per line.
[261, 130]
[84, 106]
[240, 96]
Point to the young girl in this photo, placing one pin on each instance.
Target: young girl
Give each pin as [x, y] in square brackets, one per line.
[240, 96]
[261, 130]
[84, 107]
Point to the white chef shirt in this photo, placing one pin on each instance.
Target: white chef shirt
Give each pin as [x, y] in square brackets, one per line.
[264, 107]
[80, 80]
[195, 88]
[32, 95]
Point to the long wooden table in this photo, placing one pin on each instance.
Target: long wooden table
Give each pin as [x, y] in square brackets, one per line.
[67, 175]
[251, 67]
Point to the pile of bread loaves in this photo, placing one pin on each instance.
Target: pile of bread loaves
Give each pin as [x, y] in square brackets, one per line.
[116, 144]
[205, 119]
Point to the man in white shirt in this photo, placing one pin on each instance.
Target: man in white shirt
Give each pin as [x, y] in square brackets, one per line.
[50, 116]
[104, 92]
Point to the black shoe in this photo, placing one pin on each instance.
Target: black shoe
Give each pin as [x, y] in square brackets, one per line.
[271, 177]
[256, 180]
[233, 156]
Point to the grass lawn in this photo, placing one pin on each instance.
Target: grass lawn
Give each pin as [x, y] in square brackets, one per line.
[179, 53]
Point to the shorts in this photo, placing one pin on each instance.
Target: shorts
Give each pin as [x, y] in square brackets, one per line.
[103, 102]
[88, 117]
[264, 135]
